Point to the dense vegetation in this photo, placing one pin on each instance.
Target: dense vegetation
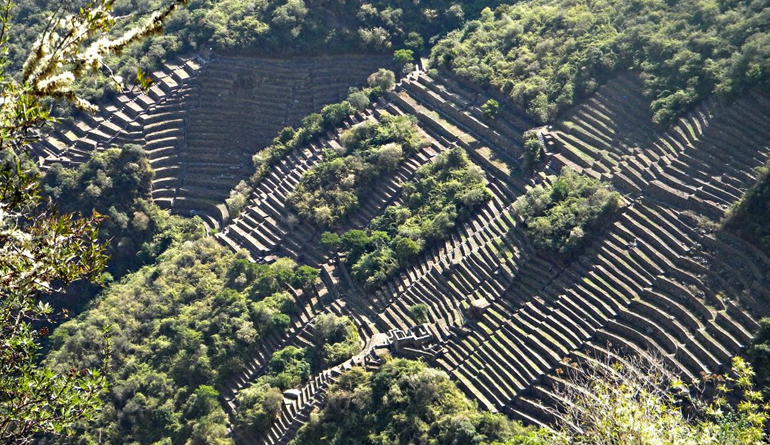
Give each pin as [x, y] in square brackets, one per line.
[117, 183]
[335, 339]
[759, 354]
[445, 192]
[405, 402]
[262, 27]
[331, 189]
[41, 250]
[622, 403]
[547, 54]
[750, 217]
[560, 217]
[179, 328]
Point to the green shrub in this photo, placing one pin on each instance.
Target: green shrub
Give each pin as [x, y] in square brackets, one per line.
[491, 108]
[182, 326]
[445, 192]
[560, 217]
[384, 80]
[404, 402]
[402, 57]
[330, 190]
[419, 312]
[336, 339]
[533, 150]
[749, 218]
[547, 55]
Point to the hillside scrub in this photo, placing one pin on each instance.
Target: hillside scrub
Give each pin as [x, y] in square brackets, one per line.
[547, 54]
[623, 402]
[405, 402]
[263, 27]
[336, 340]
[117, 183]
[749, 218]
[290, 139]
[179, 328]
[561, 217]
[330, 190]
[260, 403]
[444, 193]
[759, 354]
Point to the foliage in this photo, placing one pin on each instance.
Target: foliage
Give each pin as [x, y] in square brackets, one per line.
[630, 402]
[289, 367]
[261, 27]
[114, 177]
[336, 340]
[405, 402]
[181, 327]
[117, 183]
[258, 406]
[419, 312]
[491, 108]
[561, 216]
[403, 57]
[382, 80]
[445, 192]
[75, 46]
[759, 354]
[533, 150]
[239, 196]
[547, 54]
[289, 139]
[749, 218]
[40, 251]
[330, 190]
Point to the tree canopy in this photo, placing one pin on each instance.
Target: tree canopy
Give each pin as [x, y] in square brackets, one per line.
[547, 54]
[181, 327]
[405, 402]
[561, 216]
[443, 193]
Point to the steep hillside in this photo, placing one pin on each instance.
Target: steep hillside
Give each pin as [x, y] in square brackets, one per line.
[499, 315]
[203, 120]
[547, 55]
[415, 210]
[651, 283]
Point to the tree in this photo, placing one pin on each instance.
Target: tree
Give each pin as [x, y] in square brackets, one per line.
[491, 108]
[402, 57]
[533, 150]
[40, 250]
[383, 79]
[419, 312]
[359, 100]
[633, 401]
